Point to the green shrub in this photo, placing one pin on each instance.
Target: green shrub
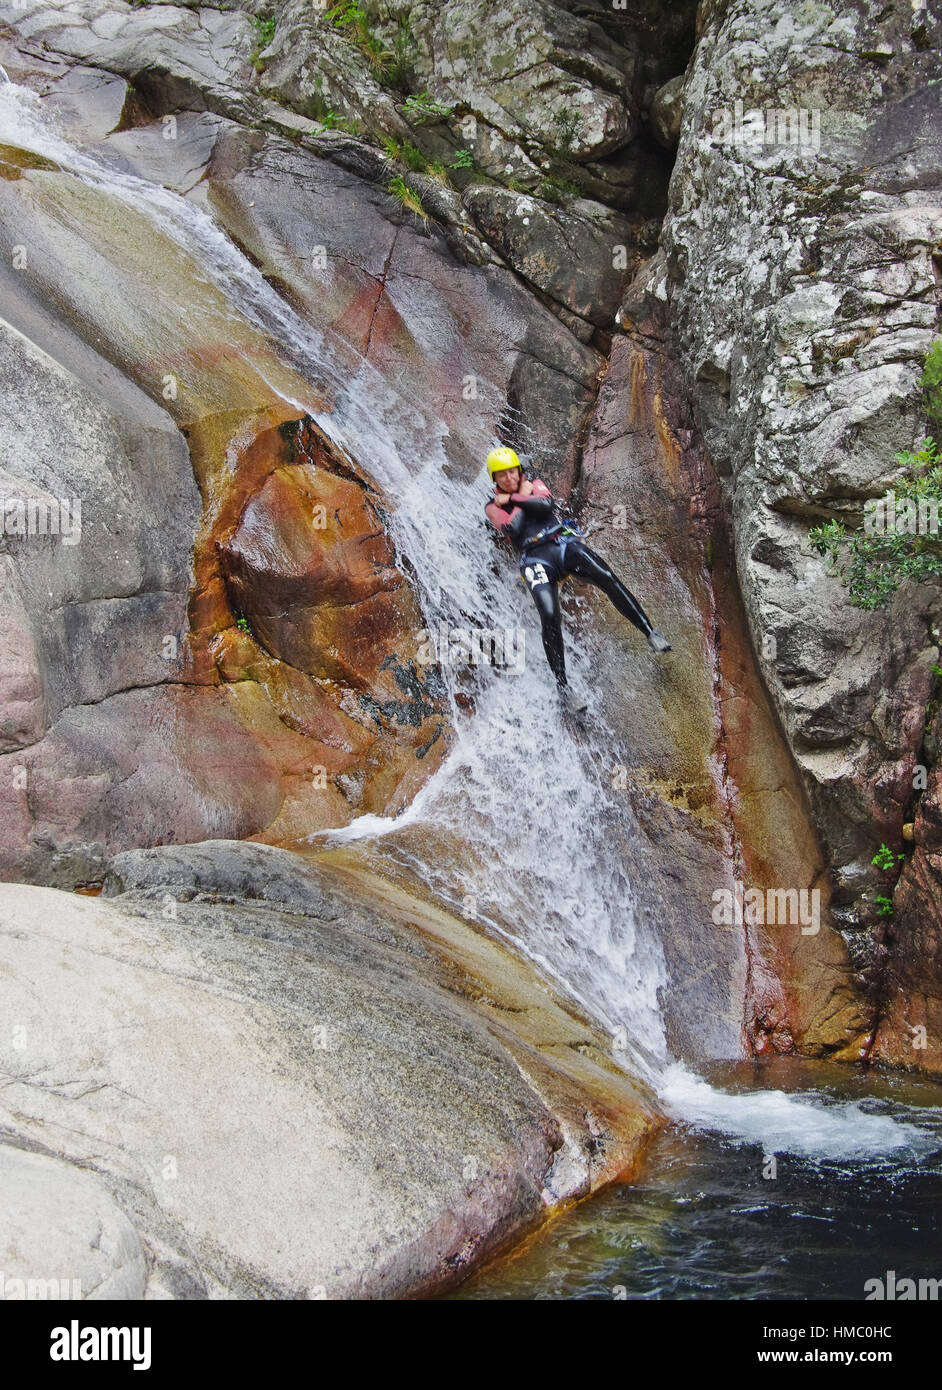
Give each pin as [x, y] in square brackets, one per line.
[407, 196]
[264, 33]
[931, 383]
[401, 65]
[885, 858]
[404, 153]
[565, 125]
[872, 563]
[352, 16]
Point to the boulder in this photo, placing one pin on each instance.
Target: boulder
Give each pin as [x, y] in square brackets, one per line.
[200, 55]
[539, 243]
[667, 113]
[374, 1099]
[62, 1234]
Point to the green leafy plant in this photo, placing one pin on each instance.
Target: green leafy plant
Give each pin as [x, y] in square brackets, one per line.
[931, 383]
[407, 196]
[243, 625]
[264, 33]
[874, 562]
[888, 863]
[885, 858]
[347, 12]
[421, 108]
[463, 159]
[264, 30]
[317, 109]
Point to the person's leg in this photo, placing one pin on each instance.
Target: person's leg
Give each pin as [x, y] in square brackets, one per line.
[585, 564]
[546, 598]
[541, 581]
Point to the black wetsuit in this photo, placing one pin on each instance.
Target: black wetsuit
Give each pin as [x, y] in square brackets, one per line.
[545, 559]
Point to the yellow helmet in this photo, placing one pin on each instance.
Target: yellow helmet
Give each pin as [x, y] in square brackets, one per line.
[499, 459]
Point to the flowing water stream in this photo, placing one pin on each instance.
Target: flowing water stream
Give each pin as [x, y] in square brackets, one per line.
[712, 1217]
[516, 772]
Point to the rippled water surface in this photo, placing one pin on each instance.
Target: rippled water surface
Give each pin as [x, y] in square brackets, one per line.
[707, 1220]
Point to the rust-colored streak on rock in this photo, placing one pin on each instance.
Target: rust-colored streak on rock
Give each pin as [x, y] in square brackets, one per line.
[716, 754]
[670, 448]
[909, 1031]
[293, 549]
[637, 377]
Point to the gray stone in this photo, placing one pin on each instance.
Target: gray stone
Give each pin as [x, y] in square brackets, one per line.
[802, 293]
[667, 113]
[62, 1235]
[290, 1099]
[581, 255]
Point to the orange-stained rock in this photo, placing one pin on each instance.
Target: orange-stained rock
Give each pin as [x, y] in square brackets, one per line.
[311, 569]
[298, 591]
[910, 1027]
[711, 779]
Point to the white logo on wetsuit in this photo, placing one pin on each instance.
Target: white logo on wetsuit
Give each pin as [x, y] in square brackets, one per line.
[536, 574]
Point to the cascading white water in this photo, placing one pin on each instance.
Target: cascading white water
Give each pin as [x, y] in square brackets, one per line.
[529, 802]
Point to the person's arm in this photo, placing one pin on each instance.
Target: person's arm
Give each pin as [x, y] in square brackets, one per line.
[537, 502]
[502, 517]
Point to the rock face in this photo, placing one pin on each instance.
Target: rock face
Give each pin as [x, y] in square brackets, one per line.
[711, 781]
[453, 201]
[521, 78]
[192, 50]
[803, 295]
[372, 1099]
[113, 697]
[538, 242]
[168, 677]
[457, 337]
[63, 1236]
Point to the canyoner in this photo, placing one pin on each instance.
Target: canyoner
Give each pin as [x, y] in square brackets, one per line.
[551, 547]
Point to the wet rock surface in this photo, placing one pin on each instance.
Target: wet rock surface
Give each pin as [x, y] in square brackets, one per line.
[373, 1097]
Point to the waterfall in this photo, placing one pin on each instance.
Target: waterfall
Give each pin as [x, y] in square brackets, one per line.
[520, 829]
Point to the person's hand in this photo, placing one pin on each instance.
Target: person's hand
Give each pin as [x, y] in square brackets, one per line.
[525, 488]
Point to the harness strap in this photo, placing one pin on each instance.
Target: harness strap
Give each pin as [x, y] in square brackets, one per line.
[546, 534]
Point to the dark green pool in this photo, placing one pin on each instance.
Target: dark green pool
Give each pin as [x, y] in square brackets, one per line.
[703, 1222]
